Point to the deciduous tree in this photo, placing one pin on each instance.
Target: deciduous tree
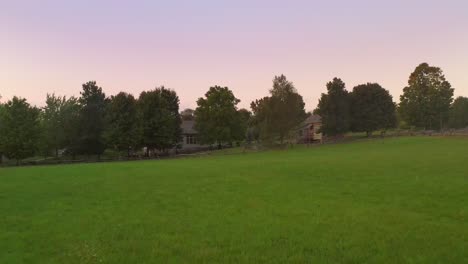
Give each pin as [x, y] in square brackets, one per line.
[2, 111]
[278, 115]
[71, 116]
[334, 108]
[19, 129]
[216, 117]
[372, 108]
[160, 119]
[245, 117]
[122, 128]
[92, 123]
[53, 132]
[425, 102]
[459, 113]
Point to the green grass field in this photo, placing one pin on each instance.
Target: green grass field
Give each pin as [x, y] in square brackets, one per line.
[401, 200]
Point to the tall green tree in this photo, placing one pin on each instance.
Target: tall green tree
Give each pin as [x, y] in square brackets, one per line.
[2, 111]
[122, 130]
[425, 102]
[245, 117]
[459, 113]
[217, 118]
[372, 108]
[334, 108]
[278, 115]
[19, 129]
[92, 122]
[160, 119]
[52, 123]
[71, 116]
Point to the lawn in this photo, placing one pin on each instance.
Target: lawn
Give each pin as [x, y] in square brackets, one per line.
[402, 200]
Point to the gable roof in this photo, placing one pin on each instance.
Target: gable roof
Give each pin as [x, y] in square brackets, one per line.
[188, 127]
[313, 119]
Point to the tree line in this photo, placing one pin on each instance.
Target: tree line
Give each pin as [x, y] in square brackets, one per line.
[426, 103]
[93, 122]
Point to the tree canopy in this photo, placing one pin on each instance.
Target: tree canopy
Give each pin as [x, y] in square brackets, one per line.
[459, 113]
[245, 117]
[277, 115]
[372, 108]
[425, 102]
[160, 119]
[2, 112]
[92, 123]
[53, 123]
[19, 129]
[334, 108]
[122, 127]
[216, 117]
[71, 116]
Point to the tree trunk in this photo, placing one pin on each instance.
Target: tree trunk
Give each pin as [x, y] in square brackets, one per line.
[368, 133]
[56, 153]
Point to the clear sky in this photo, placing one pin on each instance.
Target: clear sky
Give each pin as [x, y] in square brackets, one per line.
[54, 46]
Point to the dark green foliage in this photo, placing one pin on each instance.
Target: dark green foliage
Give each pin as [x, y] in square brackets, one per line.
[52, 123]
[160, 119]
[334, 108]
[19, 129]
[278, 115]
[245, 117]
[122, 128]
[459, 113]
[217, 119]
[188, 114]
[71, 111]
[425, 102]
[92, 123]
[372, 108]
[2, 111]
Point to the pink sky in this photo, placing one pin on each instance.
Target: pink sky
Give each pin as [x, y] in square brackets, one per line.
[55, 46]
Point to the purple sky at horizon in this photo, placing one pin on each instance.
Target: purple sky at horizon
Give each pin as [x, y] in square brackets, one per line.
[53, 46]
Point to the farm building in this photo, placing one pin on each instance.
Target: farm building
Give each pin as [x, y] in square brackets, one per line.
[309, 131]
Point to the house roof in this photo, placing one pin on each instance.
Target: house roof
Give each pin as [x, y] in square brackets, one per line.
[313, 119]
[188, 127]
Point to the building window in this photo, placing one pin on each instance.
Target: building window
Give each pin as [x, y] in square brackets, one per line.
[190, 139]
